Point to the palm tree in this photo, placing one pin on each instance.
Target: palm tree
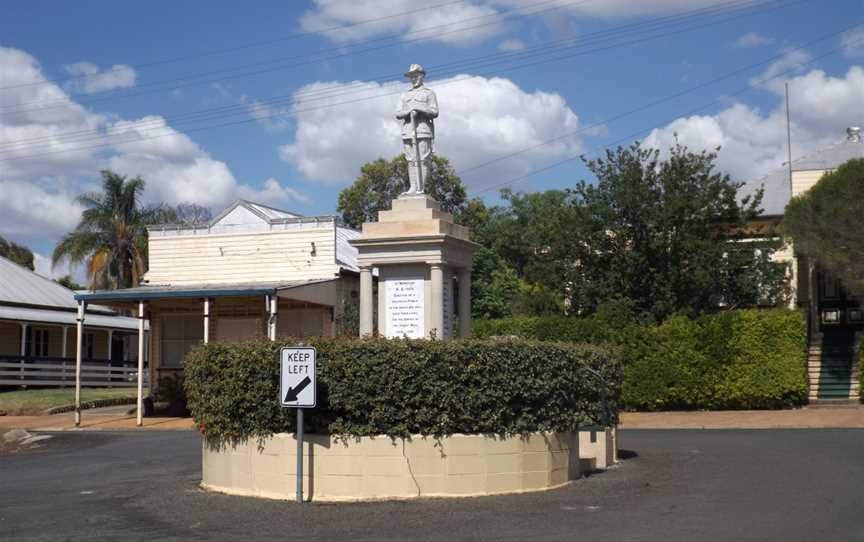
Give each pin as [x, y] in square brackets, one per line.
[112, 233]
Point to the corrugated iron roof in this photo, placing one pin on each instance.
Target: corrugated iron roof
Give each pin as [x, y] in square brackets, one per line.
[195, 290]
[778, 192]
[271, 212]
[20, 285]
[830, 158]
[27, 314]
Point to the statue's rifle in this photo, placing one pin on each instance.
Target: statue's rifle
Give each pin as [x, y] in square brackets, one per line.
[416, 143]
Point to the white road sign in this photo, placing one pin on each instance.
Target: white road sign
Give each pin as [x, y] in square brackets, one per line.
[298, 377]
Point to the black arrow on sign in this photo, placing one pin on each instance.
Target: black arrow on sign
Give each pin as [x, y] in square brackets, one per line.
[291, 396]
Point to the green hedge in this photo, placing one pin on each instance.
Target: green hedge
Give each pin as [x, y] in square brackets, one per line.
[401, 387]
[741, 359]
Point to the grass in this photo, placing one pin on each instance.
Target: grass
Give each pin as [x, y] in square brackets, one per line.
[36, 401]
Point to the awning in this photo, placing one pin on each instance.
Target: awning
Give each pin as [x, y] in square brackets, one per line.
[208, 290]
[48, 316]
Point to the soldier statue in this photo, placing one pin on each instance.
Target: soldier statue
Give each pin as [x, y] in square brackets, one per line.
[417, 112]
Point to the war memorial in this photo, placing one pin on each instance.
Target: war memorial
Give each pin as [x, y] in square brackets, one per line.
[418, 257]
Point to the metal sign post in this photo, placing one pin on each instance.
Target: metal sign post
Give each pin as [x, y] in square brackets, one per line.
[298, 389]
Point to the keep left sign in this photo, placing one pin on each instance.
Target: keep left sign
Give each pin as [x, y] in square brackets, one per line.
[298, 385]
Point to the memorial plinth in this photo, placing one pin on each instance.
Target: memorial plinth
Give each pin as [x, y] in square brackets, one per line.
[417, 251]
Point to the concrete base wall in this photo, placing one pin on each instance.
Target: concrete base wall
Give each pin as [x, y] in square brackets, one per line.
[598, 448]
[383, 468]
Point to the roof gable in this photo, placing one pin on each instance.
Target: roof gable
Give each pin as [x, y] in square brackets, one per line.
[245, 215]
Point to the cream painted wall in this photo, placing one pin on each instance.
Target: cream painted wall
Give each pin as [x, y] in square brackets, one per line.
[251, 257]
[787, 255]
[803, 181]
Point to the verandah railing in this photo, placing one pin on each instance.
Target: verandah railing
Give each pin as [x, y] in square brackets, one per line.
[48, 371]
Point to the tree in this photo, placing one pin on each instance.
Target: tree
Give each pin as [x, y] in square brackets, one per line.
[69, 282]
[189, 213]
[825, 223]
[21, 255]
[494, 285]
[669, 235]
[112, 233]
[381, 181]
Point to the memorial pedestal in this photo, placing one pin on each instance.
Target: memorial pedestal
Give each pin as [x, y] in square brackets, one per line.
[418, 252]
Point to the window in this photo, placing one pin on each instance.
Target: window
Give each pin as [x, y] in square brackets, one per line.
[179, 334]
[36, 342]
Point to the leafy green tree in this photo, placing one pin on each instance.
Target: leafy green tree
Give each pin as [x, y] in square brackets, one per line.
[381, 181]
[826, 223]
[112, 234]
[670, 235]
[69, 282]
[19, 254]
[494, 285]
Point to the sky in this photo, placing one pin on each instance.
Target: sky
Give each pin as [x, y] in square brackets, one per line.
[283, 102]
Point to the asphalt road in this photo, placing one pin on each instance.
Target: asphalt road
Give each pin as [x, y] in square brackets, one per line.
[682, 485]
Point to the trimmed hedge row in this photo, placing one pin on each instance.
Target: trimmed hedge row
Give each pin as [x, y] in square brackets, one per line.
[401, 387]
[744, 359]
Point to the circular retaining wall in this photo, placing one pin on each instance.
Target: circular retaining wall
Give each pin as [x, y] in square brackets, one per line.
[384, 468]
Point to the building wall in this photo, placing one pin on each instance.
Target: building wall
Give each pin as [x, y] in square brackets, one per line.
[243, 257]
[787, 255]
[803, 181]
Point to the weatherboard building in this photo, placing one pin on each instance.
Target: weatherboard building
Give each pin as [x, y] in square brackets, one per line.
[836, 317]
[252, 271]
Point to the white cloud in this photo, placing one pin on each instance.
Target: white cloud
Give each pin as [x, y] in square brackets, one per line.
[753, 143]
[43, 266]
[273, 118]
[467, 22]
[89, 79]
[793, 61]
[39, 183]
[481, 119]
[752, 39]
[31, 209]
[273, 191]
[511, 45]
[455, 23]
[853, 43]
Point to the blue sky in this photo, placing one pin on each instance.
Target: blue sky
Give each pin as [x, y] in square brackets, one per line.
[291, 144]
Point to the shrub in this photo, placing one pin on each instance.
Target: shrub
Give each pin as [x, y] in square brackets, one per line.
[401, 387]
[673, 372]
[170, 393]
[739, 359]
[766, 361]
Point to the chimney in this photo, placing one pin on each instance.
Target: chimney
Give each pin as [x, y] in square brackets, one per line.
[853, 133]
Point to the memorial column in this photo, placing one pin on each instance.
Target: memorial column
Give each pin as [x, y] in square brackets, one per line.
[366, 324]
[437, 312]
[465, 302]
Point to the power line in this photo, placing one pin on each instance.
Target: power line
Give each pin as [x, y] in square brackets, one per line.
[346, 102]
[250, 45]
[455, 67]
[633, 135]
[340, 53]
[377, 96]
[391, 41]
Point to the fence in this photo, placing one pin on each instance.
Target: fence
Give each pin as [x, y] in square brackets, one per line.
[30, 371]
